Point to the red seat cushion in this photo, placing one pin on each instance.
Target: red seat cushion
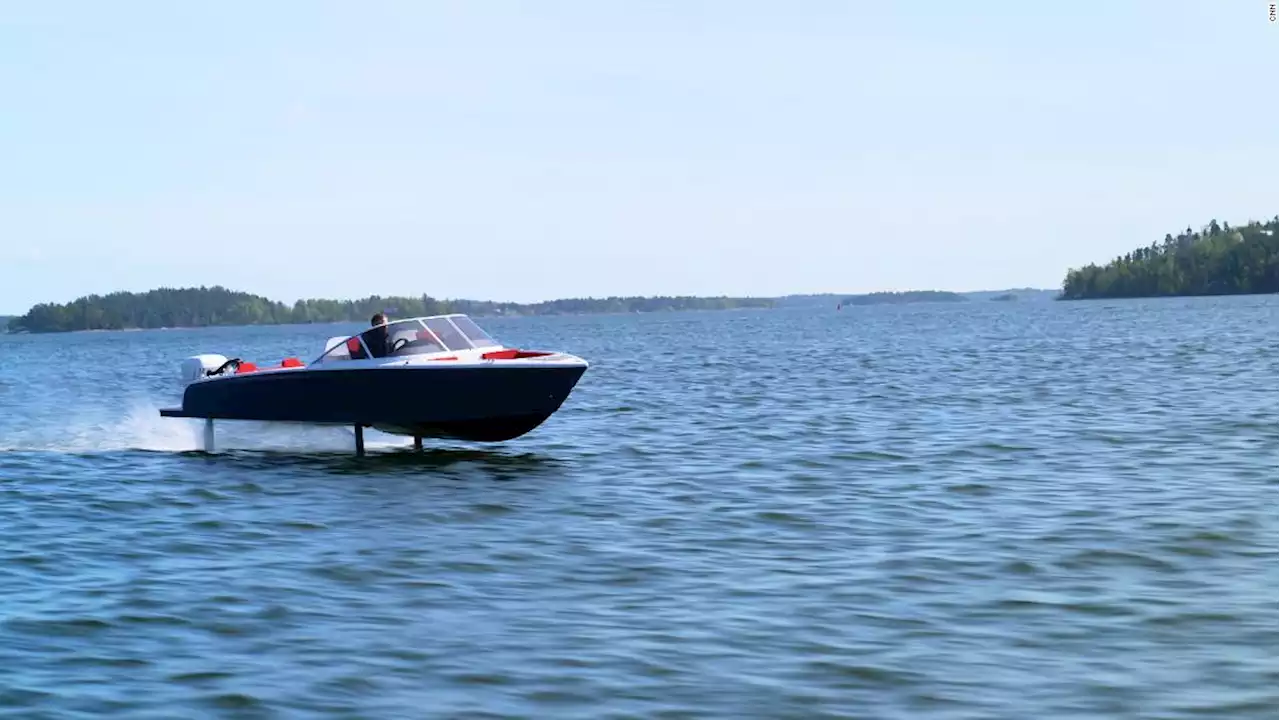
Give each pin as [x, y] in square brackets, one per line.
[513, 354]
[291, 362]
[246, 367]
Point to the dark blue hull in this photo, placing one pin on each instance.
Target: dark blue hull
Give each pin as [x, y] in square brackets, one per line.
[487, 403]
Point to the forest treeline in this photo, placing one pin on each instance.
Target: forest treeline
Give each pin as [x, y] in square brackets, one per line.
[900, 298]
[903, 298]
[1216, 260]
[207, 306]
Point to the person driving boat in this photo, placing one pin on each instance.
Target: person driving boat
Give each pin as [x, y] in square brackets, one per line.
[375, 338]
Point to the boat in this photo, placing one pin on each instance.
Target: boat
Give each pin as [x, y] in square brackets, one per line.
[439, 377]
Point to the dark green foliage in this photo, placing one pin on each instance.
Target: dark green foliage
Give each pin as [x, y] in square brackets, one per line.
[1036, 294]
[1218, 260]
[196, 307]
[911, 296]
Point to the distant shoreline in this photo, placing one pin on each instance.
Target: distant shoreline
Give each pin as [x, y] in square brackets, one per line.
[191, 308]
[1218, 260]
[833, 301]
[348, 322]
[1171, 296]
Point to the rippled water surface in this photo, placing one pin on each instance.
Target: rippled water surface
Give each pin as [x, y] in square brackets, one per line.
[992, 510]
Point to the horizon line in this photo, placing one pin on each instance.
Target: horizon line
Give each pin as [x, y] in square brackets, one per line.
[534, 302]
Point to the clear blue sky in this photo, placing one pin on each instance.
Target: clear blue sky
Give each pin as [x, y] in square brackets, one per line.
[532, 150]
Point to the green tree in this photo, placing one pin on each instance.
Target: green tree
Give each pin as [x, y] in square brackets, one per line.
[1219, 261]
[195, 307]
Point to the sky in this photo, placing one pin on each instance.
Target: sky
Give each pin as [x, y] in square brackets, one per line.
[524, 151]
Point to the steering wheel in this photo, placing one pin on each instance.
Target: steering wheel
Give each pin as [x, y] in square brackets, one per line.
[233, 363]
[399, 343]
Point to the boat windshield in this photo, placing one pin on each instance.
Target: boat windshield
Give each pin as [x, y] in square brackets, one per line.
[478, 337]
[415, 336]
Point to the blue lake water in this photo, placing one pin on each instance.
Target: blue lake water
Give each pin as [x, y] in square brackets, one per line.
[988, 510]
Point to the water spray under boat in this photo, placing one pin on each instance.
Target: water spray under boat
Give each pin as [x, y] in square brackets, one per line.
[440, 376]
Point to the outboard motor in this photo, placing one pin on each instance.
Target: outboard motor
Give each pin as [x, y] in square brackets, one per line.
[198, 366]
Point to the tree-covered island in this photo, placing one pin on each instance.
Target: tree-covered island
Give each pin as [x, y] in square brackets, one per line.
[199, 307]
[1217, 260]
[902, 298]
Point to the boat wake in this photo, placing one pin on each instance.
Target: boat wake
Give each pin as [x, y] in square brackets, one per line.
[140, 427]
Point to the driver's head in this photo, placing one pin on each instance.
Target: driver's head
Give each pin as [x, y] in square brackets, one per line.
[378, 319]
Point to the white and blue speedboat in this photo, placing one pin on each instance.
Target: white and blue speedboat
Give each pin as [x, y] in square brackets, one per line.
[426, 377]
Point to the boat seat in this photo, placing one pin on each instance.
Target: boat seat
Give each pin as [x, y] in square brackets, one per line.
[513, 354]
[246, 367]
[291, 362]
[355, 350]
